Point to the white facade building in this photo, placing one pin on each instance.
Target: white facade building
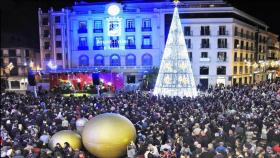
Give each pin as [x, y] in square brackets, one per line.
[225, 44]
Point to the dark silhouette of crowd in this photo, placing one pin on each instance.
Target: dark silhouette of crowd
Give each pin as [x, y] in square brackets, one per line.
[227, 122]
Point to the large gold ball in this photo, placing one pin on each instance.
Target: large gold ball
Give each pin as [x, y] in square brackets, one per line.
[69, 136]
[107, 135]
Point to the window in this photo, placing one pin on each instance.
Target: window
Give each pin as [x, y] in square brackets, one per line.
[147, 60]
[83, 43]
[46, 33]
[47, 45]
[114, 42]
[58, 44]
[57, 19]
[246, 56]
[1, 62]
[242, 45]
[204, 70]
[221, 70]
[222, 56]
[45, 21]
[252, 46]
[205, 31]
[246, 69]
[241, 57]
[82, 27]
[12, 53]
[98, 28]
[130, 25]
[15, 85]
[58, 56]
[222, 43]
[188, 43]
[83, 60]
[235, 70]
[205, 43]
[187, 31]
[27, 53]
[235, 31]
[240, 69]
[47, 56]
[222, 30]
[146, 42]
[236, 43]
[204, 55]
[242, 33]
[130, 60]
[146, 25]
[98, 60]
[130, 42]
[190, 56]
[115, 60]
[247, 45]
[98, 43]
[58, 32]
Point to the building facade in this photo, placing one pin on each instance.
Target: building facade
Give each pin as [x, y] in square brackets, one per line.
[226, 46]
[15, 63]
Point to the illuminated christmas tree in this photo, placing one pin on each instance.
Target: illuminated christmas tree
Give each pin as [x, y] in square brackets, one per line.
[175, 76]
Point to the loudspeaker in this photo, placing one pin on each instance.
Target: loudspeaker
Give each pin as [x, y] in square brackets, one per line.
[95, 79]
[31, 78]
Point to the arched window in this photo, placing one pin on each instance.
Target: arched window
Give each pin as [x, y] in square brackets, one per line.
[115, 60]
[147, 60]
[99, 60]
[83, 60]
[130, 60]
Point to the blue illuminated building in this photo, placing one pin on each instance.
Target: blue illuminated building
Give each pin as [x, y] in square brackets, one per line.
[223, 42]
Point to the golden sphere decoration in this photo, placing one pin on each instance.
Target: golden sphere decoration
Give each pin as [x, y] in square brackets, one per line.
[69, 136]
[107, 135]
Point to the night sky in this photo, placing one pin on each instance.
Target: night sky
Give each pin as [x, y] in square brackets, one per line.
[19, 17]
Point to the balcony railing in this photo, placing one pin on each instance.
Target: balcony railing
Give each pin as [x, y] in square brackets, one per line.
[98, 47]
[188, 33]
[130, 46]
[204, 45]
[204, 59]
[82, 30]
[98, 30]
[82, 47]
[223, 33]
[146, 29]
[129, 29]
[146, 46]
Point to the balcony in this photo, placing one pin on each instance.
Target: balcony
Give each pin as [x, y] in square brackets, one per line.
[204, 59]
[146, 46]
[144, 29]
[130, 29]
[98, 47]
[82, 30]
[82, 47]
[223, 33]
[98, 30]
[130, 46]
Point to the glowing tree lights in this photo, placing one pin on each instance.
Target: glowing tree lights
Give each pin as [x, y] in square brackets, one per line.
[175, 76]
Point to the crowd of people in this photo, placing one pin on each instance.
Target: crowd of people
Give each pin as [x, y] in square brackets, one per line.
[228, 122]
